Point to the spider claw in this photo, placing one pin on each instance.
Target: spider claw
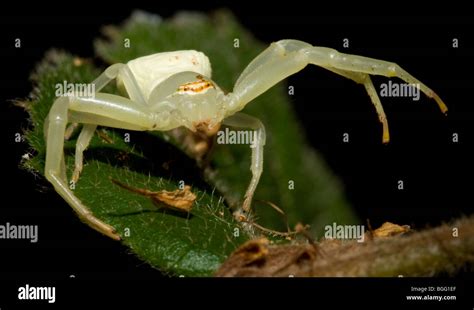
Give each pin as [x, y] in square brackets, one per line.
[246, 205]
[111, 233]
[101, 227]
[70, 130]
[75, 175]
[385, 137]
[442, 106]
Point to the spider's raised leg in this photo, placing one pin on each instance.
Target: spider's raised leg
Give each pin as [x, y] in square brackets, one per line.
[241, 120]
[364, 78]
[88, 130]
[104, 109]
[287, 57]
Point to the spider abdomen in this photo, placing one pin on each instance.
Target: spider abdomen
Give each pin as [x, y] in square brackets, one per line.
[150, 71]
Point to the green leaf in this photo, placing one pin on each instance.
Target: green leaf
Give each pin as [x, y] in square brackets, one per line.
[317, 198]
[196, 244]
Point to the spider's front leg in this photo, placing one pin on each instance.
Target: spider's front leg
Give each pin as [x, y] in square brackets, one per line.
[286, 57]
[241, 120]
[103, 109]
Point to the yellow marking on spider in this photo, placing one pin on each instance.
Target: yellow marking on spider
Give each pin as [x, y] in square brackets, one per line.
[198, 86]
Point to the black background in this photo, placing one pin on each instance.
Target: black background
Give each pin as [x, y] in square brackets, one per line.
[435, 171]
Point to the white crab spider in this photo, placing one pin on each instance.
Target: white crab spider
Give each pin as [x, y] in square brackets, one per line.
[173, 89]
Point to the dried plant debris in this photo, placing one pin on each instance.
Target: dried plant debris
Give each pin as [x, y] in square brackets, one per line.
[179, 200]
[259, 258]
[389, 229]
[391, 253]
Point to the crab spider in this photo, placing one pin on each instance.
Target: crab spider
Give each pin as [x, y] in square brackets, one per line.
[174, 89]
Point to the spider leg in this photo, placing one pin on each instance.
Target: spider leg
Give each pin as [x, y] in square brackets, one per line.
[70, 130]
[287, 57]
[364, 78]
[241, 120]
[88, 130]
[82, 143]
[104, 109]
